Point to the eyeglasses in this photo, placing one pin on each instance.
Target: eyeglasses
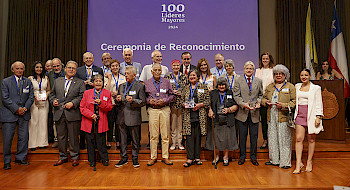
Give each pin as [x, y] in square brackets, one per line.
[71, 68]
[187, 59]
[106, 58]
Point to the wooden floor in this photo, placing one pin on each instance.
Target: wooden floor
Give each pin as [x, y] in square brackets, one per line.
[331, 167]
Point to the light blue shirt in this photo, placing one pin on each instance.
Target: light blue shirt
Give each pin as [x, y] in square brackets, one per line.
[215, 71]
[135, 64]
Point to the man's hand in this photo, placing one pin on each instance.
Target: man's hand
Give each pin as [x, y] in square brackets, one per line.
[257, 105]
[279, 105]
[246, 105]
[129, 99]
[68, 105]
[55, 103]
[211, 114]
[160, 102]
[94, 117]
[119, 98]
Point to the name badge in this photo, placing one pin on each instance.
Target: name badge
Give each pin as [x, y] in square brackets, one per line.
[172, 81]
[163, 90]
[26, 90]
[137, 75]
[105, 98]
[285, 90]
[229, 96]
[94, 73]
[132, 92]
[201, 90]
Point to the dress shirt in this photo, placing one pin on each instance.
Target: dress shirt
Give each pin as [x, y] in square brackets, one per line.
[106, 69]
[147, 74]
[135, 64]
[87, 72]
[166, 91]
[215, 72]
[66, 86]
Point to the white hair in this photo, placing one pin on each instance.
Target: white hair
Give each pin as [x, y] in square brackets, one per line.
[154, 64]
[13, 64]
[128, 49]
[73, 62]
[87, 53]
[132, 69]
[154, 52]
[106, 53]
[283, 69]
[249, 63]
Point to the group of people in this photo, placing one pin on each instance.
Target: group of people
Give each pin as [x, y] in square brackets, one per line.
[189, 107]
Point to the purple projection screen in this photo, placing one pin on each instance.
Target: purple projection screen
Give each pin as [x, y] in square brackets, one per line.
[201, 27]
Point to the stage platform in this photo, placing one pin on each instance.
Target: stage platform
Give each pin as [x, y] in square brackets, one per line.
[331, 167]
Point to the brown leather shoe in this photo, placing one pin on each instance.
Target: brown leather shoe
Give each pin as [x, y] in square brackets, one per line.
[167, 161]
[151, 162]
[75, 162]
[60, 162]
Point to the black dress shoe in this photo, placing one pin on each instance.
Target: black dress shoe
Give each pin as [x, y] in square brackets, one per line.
[7, 166]
[60, 162]
[32, 149]
[241, 161]
[270, 163]
[22, 162]
[264, 147]
[92, 164]
[105, 162]
[255, 162]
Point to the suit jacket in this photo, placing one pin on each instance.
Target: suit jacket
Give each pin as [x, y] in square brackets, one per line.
[241, 95]
[12, 99]
[52, 76]
[74, 95]
[87, 110]
[81, 73]
[314, 108]
[130, 113]
[192, 67]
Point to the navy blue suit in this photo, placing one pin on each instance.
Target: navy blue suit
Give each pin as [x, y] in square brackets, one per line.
[82, 74]
[12, 99]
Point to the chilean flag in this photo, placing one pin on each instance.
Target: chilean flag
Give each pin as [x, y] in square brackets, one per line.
[337, 54]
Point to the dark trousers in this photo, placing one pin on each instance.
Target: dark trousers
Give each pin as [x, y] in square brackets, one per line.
[112, 125]
[51, 135]
[135, 137]
[8, 131]
[67, 129]
[82, 138]
[98, 141]
[263, 114]
[193, 142]
[243, 133]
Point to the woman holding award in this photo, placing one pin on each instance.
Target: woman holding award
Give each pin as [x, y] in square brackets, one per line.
[178, 80]
[38, 131]
[195, 99]
[222, 108]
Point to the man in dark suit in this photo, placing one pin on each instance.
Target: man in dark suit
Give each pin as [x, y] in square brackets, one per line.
[248, 92]
[132, 97]
[17, 98]
[186, 66]
[65, 96]
[57, 72]
[86, 73]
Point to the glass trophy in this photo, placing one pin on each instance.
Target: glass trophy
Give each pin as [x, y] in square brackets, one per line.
[252, 103]
[41, 96]
[189, 104]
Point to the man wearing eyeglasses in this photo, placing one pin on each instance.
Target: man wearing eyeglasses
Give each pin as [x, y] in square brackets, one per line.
[219, 69]
[65, 97]
[106, 60]
[186, 66]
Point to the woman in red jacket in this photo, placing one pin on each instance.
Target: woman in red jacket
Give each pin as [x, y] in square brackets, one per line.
[94, 106]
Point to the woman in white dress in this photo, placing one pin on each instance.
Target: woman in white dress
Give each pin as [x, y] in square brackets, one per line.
[112, 81]
[264, 72]
[38, 131]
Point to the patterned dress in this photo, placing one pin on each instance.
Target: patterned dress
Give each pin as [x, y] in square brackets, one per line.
[280, 137]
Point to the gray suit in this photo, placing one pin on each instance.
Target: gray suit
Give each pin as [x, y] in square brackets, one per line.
[247, 118]
[12, 99]
[68, 120]
[129, 116]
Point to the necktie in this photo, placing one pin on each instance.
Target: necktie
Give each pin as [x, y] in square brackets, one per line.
[249, 83]
[20, 86]
[89, 72]
[186, 71]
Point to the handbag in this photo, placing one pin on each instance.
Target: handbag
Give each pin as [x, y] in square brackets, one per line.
[291, 122]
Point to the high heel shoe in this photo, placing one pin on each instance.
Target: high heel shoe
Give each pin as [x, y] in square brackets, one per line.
[298, 171]
[308, 167]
